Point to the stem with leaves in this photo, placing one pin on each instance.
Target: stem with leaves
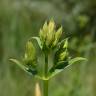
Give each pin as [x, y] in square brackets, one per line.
[48, 41]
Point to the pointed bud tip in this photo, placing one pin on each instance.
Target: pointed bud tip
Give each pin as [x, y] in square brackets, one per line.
[66, 43]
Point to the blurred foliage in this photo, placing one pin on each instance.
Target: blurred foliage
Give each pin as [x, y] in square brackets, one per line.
[20, 19]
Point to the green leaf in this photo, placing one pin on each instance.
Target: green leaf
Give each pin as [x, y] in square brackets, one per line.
[74, 60]
[25, 68]
[61, 65]
[38, 41]
[19, 64]
[53, 71]
[58, 68]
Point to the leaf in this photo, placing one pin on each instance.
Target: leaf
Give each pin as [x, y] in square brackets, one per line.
[53, 71]
[26, 69]
[61, 64]
[58, 68]
[18, 63]
[38, 41]
[74, 60]
[32, 70]
[57, 71]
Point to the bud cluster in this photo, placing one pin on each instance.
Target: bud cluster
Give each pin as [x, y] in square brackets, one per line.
[62, 52]
[49, 36]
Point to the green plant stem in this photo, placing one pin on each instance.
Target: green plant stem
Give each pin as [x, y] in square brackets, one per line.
[46, 74]
[45, 87]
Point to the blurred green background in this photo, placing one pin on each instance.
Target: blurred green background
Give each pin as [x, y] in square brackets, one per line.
[21, 19]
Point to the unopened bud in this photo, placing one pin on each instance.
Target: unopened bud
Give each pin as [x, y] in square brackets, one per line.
[63, 56]
[65, 44]
[57, 36]
[43, 33]
[49, 36]
[62, 53]
[30, 55]
[51, 26]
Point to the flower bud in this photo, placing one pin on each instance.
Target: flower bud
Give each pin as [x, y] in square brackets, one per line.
[63, 56]
[57, 36]
[30, 54]
[49, 36]
[65, 44]
[62, 53]
[51, 26]
[30, 50]
[50, 33]
[43, 33]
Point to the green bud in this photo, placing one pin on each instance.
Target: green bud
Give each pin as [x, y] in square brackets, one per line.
[51, 26]
[43, 33]
[63, 56]
[47, 33]
[65, 44]
[30, 54]
[30, 50]
[50, 33]
[57, 36]
[49, 36]
[62, 53]
[58, 33]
